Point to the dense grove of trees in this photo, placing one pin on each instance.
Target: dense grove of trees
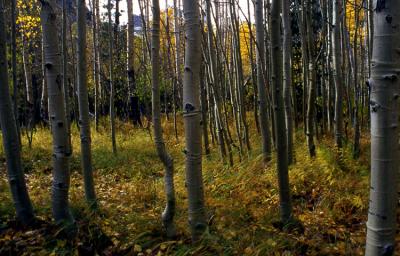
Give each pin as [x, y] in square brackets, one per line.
[323, 67]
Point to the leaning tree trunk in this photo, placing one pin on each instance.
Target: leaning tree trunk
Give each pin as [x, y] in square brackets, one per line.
[192, 119]
[261, 79]
[84, 120]
[57, 118]
[11, 145]
[279, 115]
[338, 125]
[169, 212]
[384, 82]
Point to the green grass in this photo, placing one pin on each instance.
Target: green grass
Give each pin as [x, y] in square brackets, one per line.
[330, 198]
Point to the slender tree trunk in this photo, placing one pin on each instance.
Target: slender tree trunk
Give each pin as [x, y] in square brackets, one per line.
[11, 145]
[371, 32]
[101, 91]
[261, 81]
[84, 121]
[65, 76]
[14, 66]
[287, 76]
[192, 118]
[278, 106]
[253, 69]
[338, 125]
[203, 96]
[240, 80]
[304, 48]
[329, 66]
[111, 80]
[27, 73]
[312, 82]
[29, 90]
[356, 143]
[213, 76]
[70, 82]
[169, 212]
[178, 79]
[44, 113]
[134, 111]
[57, 118]
[384, 82]
[96, 77]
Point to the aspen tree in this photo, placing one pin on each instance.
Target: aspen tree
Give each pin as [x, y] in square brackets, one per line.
[214, 82]
[61, 177]
[84, 121]
[111, 79]
[134, 112]
[287, 76]
[337, 74]
[96, 76]
[261, 81]
[166, 159]
[312, 80]
[178, 79]
[192, 119]
[14, 65]
[11, 144]
[65, 85]
[279, 114]
[384, 84]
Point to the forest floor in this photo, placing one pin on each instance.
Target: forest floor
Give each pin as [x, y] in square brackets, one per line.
[330, 198]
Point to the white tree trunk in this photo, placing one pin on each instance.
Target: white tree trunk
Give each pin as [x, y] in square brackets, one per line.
[384, 83]
[169, 212]
[61, 178]
[192, 119]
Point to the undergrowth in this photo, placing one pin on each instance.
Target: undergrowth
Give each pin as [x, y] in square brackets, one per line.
[330, 196]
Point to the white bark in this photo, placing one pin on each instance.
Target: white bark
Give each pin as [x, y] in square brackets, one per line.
[192, 119]
[61, 178]
[384, 84]
[169, 212]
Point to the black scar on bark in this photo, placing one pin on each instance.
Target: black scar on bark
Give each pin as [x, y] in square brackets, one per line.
[380, 5]
[189, 107]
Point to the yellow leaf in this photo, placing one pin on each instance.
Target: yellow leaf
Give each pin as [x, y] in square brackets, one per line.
[137, 248]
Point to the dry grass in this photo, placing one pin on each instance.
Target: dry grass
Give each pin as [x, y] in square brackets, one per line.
[329, 198]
